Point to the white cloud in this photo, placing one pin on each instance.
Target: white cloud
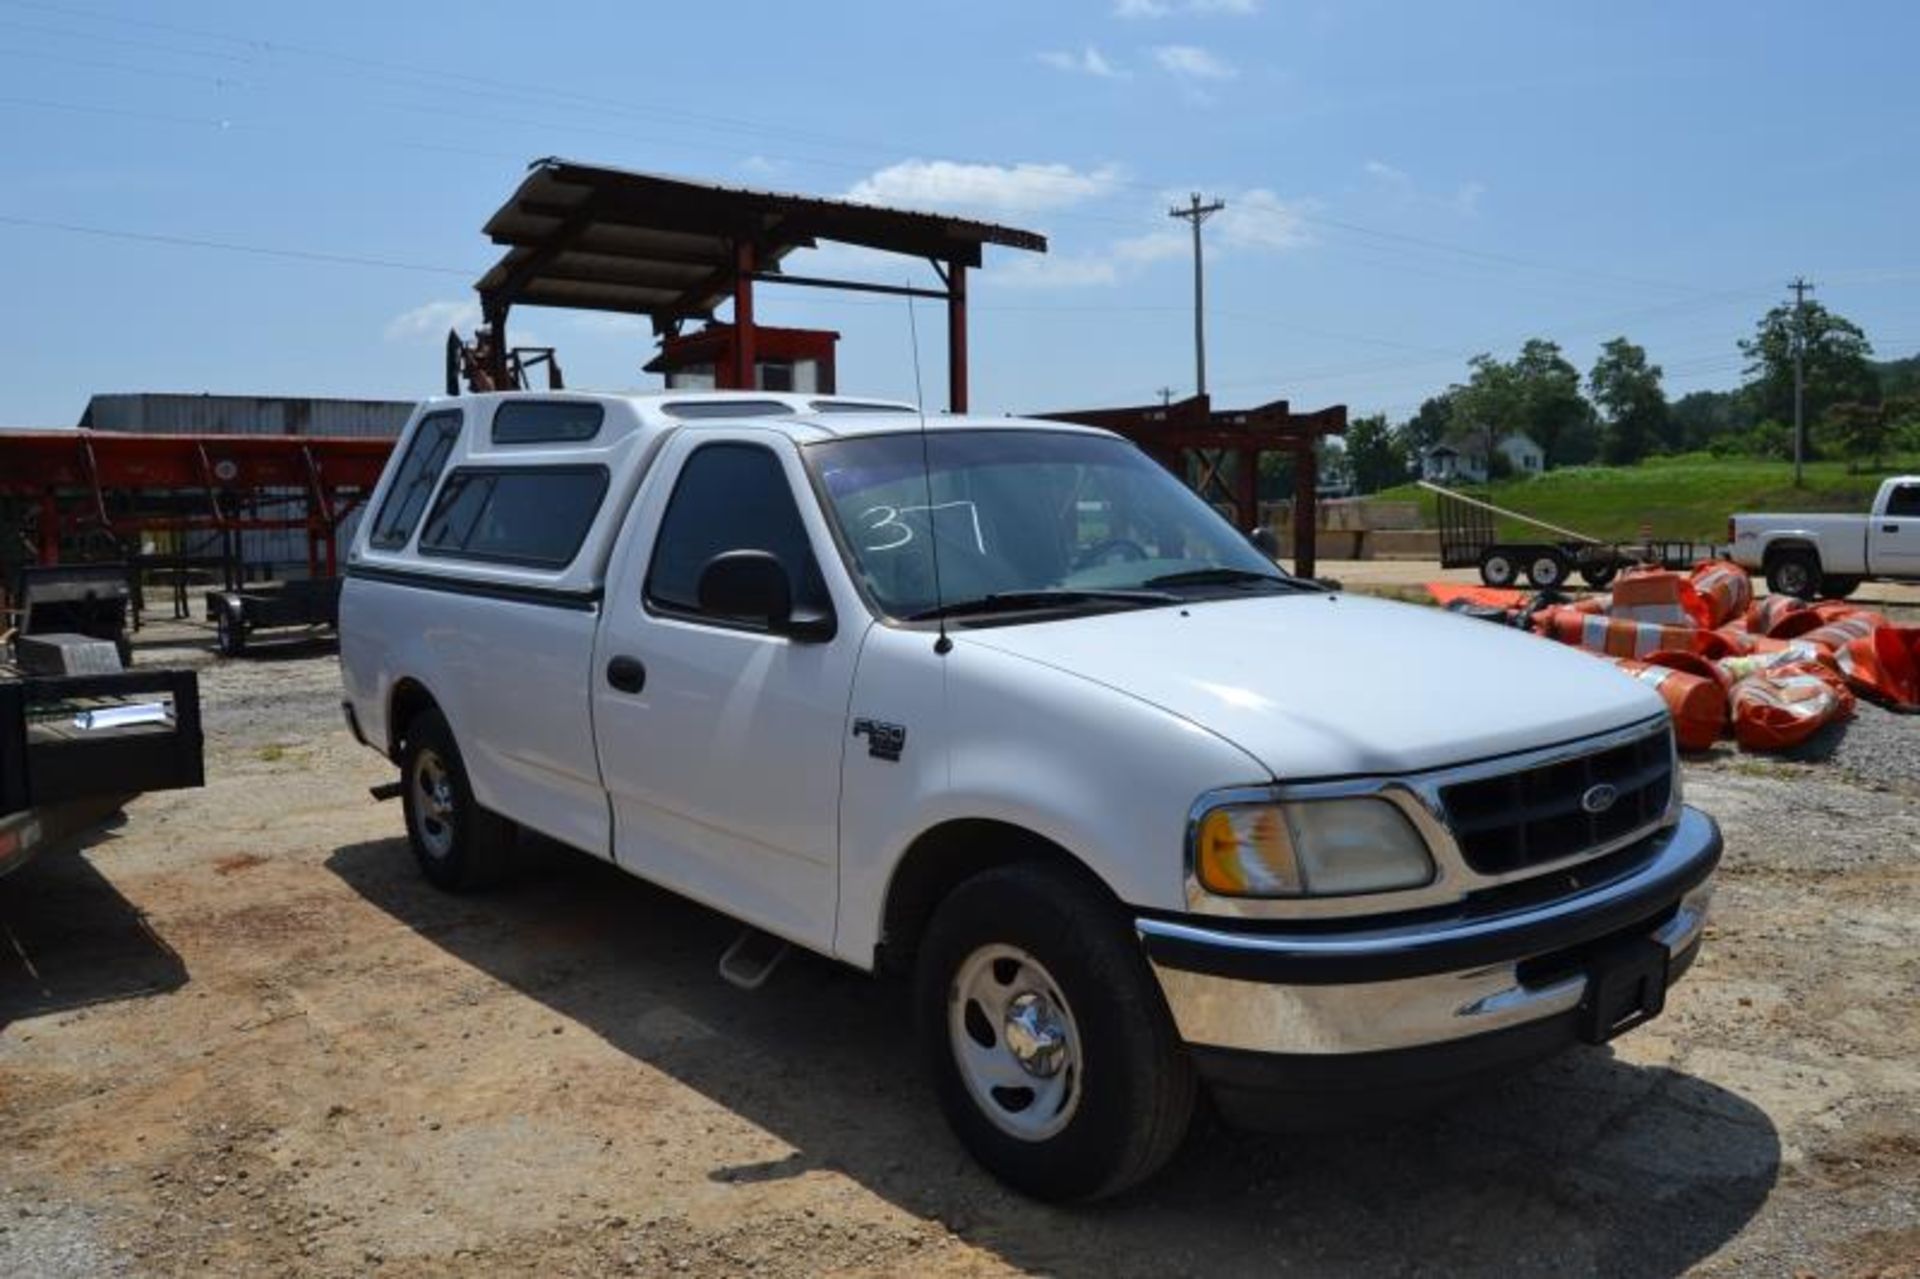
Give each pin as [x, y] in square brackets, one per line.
[1020, 188]
[1387, 173]
[1254, 221]
[1089, 61]
[1191, 62]
[1153, 246]
[432, 318]
[1259, 219]
[1049, 271]
[1463, 200]
[1163, 8]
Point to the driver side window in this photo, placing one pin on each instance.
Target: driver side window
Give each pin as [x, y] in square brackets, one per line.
[729, 497]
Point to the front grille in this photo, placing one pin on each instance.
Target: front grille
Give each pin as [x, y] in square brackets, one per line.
[1533, 816]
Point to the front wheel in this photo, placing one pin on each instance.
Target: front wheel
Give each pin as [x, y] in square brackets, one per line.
[1498, 567]
[1050, 1046]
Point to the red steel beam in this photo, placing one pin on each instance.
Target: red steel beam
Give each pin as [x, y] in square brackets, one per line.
[34, 462]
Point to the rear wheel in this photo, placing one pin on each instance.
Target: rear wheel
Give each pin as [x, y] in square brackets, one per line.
[1050, 1046]
[1547, 569]
[1795, 573]
[1498, 566]
[458, 844]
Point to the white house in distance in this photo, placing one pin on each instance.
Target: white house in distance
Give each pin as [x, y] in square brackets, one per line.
[1464, 461]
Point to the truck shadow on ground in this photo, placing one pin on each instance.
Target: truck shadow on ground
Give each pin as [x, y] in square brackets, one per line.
[1586, 1165]
[68, 939]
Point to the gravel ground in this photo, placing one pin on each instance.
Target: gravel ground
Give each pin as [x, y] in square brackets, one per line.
[238, 1035]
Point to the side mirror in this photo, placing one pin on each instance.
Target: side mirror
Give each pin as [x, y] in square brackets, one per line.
[752, 586]
[1265, 541]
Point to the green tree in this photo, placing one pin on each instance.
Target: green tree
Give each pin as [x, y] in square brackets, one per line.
[1376, 454]
[1859, 432]
[1432, 424]
[1698, 419]
[1835, 363]
[1627, 390]
[1537, 394]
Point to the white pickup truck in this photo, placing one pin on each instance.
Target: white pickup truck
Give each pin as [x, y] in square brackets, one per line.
[1814, 556]
[1001, 705]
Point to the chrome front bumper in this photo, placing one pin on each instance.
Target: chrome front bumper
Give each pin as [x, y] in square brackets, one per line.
[1371, 990]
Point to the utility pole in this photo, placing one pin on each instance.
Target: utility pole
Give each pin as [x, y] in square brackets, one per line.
[1196, 213]
[1166, 396]
[1801, 287]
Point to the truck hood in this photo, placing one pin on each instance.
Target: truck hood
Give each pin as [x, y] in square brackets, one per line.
[1330, 685]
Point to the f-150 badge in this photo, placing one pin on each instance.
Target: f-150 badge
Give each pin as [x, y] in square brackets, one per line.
[884, 740]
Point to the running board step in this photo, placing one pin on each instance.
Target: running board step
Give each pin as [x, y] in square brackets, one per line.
[751, 959]
[386, 790]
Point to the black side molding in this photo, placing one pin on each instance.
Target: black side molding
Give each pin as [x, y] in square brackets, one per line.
[519, 593]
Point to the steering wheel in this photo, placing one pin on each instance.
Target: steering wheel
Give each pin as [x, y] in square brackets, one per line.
[1100, 552]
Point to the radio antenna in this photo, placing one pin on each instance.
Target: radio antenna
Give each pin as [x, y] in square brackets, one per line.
[942, 645]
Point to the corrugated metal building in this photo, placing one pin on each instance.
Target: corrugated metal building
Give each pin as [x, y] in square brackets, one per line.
[266, 553]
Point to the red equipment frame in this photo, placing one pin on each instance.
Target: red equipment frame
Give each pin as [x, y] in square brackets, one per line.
[99, 480]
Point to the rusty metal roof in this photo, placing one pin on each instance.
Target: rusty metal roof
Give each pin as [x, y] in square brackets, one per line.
[593, 238]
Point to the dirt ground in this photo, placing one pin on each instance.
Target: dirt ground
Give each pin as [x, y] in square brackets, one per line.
[240, 1035]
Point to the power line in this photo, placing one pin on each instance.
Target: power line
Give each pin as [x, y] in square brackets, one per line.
[415, 73]
[229, 246]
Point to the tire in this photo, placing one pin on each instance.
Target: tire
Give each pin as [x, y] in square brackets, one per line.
[1838, 588]
[1498, 566]
[1795, 573]
[230, 631]
[1599, 575]
[459, 845]
[1120, 1092]
[1547, 569]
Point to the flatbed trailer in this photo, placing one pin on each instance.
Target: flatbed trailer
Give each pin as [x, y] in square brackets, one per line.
[74, 748]
[238, 613]
[1469, 538]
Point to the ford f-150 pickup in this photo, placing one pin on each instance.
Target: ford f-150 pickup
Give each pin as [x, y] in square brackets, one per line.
[1830, 555]
[1003, 707]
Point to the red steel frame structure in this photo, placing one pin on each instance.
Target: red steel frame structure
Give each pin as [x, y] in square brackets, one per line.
[1193, 430]
[123, 484]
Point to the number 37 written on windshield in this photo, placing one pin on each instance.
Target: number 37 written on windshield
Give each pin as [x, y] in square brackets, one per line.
[889, 523]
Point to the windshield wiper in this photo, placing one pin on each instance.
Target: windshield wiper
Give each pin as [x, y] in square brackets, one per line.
[1227, 577]
[1018, 601]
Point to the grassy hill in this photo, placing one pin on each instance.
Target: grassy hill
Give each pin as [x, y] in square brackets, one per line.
[1686, 497]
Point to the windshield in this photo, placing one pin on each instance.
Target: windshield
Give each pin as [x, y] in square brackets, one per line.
[1026, 517]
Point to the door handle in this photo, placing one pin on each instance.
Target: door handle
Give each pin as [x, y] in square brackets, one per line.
[627, 674]
[1889, 528]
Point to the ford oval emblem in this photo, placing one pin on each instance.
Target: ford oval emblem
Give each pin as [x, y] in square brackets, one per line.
[1599, 799]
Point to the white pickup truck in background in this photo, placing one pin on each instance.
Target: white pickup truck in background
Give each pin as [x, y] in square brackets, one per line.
[1138, 812]
[1813, 556]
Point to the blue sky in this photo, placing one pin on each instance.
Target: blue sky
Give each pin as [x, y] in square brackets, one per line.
[1406, 184]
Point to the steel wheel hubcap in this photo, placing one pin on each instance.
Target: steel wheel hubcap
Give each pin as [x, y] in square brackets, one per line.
[1015, 1042]
[433, 804]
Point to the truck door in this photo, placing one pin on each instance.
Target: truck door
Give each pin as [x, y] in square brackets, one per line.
[1893, 534]
[720, 743]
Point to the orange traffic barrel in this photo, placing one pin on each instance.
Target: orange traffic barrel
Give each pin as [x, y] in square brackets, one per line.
[1725, 587]
[1884, 666]
[1783, 707]
[1695, 700]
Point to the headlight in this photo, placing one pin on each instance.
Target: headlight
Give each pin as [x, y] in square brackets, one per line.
[1311, 848]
